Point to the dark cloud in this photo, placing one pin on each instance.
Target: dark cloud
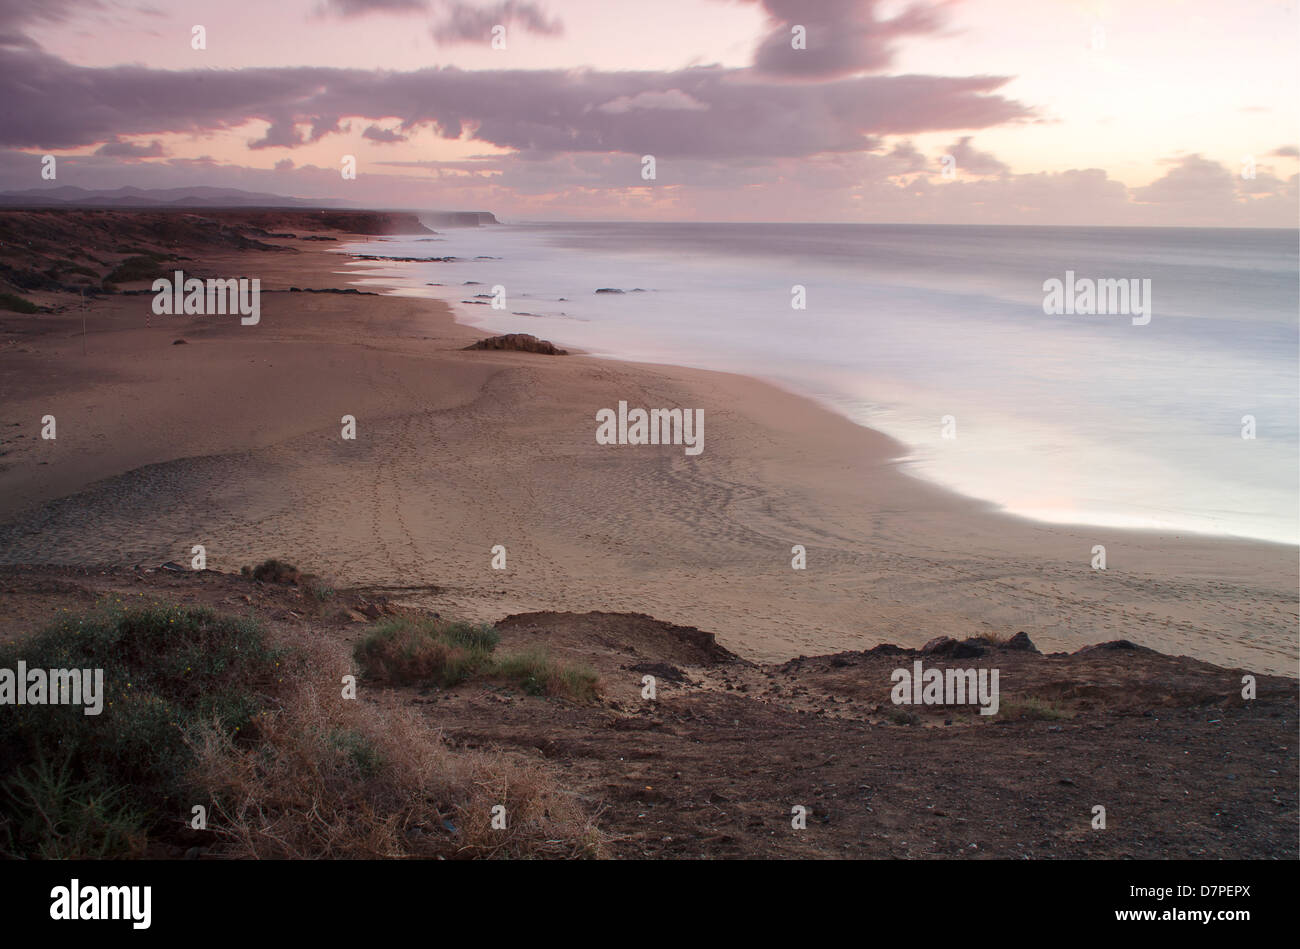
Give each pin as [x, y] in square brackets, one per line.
[324, 125]
[55, 104]
[842, 36]
[128, 150]
[377, 134]
[910, 159]
[355, 8]
[672, 99]
[464, 23]
[458, 21]
[1286, 151]
[17, 41]
[16, 13]
[284, 131]
[971, 162]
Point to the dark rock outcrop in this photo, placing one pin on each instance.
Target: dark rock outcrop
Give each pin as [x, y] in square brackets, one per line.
[968, 649]
[1021, 642]
[519, 342]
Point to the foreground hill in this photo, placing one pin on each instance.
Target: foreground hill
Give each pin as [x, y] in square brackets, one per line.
[713, 766]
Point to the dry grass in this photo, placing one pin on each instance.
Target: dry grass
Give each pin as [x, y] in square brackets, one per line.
[336, 778]
[1034, 709]
[411, 651]
[537, 673]
[317, 589]
[407, 651]
[273, 571]
[901, 716]
[251, 722]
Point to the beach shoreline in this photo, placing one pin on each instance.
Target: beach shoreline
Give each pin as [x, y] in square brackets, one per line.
[956, 361]
[233, 441]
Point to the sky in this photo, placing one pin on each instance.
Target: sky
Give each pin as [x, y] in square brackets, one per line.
[1072, 112]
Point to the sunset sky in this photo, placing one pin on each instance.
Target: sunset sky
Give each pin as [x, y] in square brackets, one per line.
[1053, 111]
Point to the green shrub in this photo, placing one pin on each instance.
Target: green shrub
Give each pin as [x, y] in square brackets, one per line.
[165, 669]
[319, 588]
[17, 304]
[359, 750]
[482, 636]
[273, 571]
[143, 267]
[406, 651]
[1033, 709]
[901, 716]
[409, 651]
[50, 815]
[62, 267]
[537, 674]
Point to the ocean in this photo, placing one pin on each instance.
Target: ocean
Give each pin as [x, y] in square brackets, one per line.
[937, 336]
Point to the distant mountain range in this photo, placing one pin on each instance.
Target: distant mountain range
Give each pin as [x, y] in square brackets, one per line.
[197, 197]
[67, 196]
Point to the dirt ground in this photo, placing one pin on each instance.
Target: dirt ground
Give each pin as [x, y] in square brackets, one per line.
[1182, 764]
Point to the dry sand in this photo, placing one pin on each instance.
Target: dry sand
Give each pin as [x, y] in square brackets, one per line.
[233, 441]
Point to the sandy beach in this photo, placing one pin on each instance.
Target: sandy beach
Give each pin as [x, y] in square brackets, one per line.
[232, 441]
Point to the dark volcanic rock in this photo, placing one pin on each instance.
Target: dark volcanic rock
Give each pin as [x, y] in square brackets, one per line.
[419, 260]
[939, 646]
[642, 635]
[519, 342]
[661, 670]
[1115, 645]
[1021, 642]
[887, 649]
